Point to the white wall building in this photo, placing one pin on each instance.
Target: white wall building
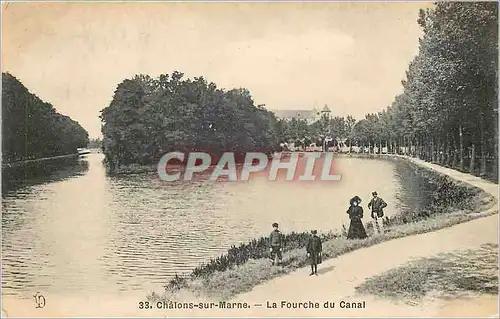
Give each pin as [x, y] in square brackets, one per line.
[310, 116]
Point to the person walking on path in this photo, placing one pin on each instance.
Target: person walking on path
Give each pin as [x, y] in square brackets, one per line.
[276, 245]
[377, 206]
[314, 248]
[356, 228]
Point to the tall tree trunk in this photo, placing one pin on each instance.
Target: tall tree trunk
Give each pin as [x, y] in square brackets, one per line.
[413, 147]
[417, 147]
[460, 134]
[422, 148]
[433, 152]
[429, 148]
[455, 159]
[426, 148]
[438, 151]
[472, 163]
[404, 146]
[441, 150]
[483, 145]
[447, 160]
[408, 143]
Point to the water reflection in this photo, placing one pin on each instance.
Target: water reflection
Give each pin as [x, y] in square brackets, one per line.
[19, 177]
[87, 232]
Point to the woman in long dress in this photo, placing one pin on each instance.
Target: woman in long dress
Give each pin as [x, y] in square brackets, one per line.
[356, 228]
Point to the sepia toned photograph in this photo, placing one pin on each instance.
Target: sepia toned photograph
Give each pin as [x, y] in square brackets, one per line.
[249, 159]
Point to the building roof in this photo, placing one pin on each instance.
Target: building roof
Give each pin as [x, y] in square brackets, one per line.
[298, 114]
[326, 109]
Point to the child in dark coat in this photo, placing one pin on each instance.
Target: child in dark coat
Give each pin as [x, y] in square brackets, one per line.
[314, 248]
[276, 245]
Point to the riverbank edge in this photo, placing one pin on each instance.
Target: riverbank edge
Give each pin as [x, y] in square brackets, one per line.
[223, 285]
[388, 156]
[38, 160]
[151, 168]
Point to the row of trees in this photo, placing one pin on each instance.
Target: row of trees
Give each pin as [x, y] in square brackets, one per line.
[339, 128]
[151, 116]
[299, 132]
[448, 111]
[31, 128]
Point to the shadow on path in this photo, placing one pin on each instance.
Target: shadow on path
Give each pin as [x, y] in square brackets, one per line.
[325, 270]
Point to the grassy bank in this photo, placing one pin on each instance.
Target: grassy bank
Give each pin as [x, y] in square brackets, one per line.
[450, 275]
[246, 266]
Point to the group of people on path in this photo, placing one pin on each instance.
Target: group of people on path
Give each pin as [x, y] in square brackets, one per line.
[355, 211]
[314, 245]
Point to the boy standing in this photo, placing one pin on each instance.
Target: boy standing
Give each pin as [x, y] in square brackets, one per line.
[314, 248]
[377, 206]
[276, 244]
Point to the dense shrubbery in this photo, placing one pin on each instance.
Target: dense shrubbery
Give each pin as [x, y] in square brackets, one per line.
[255, 249]
[32, 128]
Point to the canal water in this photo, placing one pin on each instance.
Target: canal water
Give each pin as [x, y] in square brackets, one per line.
[81, 231]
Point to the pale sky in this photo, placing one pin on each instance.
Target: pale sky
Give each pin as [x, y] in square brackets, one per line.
[351, 56]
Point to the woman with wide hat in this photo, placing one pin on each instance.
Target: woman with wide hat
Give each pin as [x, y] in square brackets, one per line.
[356, 228]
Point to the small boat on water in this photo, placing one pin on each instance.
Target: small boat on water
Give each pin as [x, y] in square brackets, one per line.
[83, 151]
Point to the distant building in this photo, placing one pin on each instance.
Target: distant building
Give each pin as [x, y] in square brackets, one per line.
[310, 116]
[326, 111]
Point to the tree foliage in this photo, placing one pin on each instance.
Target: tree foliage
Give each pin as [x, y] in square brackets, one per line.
[95, 143]
[448, 110]
[150, 117]
[31, 128]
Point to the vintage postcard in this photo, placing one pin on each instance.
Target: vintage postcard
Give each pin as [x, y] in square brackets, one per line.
[249, 159]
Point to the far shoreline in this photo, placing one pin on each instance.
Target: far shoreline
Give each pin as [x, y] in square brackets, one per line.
[153, 168]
